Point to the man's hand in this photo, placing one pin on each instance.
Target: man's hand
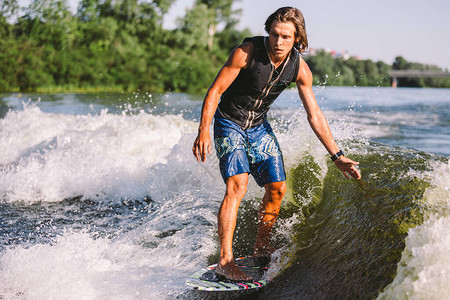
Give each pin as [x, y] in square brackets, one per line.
[202, 145]
[347, 167]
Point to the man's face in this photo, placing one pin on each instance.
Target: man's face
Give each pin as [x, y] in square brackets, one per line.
[281, 38]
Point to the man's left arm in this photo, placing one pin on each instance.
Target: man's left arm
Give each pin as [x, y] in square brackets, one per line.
[319, 123]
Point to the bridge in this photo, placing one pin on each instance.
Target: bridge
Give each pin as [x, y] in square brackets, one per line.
[415, 73]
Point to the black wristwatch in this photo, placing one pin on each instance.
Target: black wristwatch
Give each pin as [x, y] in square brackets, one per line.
[336, 155]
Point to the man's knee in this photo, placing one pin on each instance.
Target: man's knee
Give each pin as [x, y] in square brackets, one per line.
[237, 185]
[276, 190]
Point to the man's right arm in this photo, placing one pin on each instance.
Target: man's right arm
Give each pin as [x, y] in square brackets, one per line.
[319, 124]
[238, 59]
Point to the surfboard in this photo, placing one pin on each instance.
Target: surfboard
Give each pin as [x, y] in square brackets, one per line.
[205, 280]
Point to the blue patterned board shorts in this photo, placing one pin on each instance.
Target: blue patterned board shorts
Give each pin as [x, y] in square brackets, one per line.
[255, 151]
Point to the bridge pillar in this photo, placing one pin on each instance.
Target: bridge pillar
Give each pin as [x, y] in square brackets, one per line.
[394, 82]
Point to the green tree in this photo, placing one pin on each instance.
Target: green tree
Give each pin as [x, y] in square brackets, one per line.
[383, 71]
[229, 38]
[48, 23]
[321, 66]
[222, 12]
[195, 27]
[359, 69]
[8, 48]
[199, 26]
[343, 74]
[400, 64]
[31, 68]
[8, 8]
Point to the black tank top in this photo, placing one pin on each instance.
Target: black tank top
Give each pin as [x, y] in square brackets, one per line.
[248, 98]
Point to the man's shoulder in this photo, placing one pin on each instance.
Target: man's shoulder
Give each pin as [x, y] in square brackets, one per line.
[246, 46]
[244, 52]
[304, 76]
[254, 39]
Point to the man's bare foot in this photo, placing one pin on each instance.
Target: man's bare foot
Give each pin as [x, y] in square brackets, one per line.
[231, 271]
[264, 251]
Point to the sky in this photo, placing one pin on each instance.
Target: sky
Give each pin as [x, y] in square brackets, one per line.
[371, 29]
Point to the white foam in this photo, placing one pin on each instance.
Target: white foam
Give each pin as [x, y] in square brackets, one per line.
[109, 157]
[76, 266]
[424, 269]
[49, 157]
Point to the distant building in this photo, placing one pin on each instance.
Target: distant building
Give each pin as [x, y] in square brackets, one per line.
[334, 53]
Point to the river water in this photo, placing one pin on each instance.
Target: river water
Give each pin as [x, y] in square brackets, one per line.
[101, 198]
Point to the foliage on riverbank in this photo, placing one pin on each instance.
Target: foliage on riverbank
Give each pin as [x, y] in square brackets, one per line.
[122, 46]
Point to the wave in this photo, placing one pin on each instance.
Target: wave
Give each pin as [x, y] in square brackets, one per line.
[122, 194]
[49, 157]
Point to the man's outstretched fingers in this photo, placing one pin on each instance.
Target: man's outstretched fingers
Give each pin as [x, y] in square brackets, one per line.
[347, 167]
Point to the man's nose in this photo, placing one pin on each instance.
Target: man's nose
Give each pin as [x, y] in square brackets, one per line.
[278, 41]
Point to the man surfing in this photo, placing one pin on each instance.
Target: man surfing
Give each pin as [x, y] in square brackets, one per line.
[254, 75]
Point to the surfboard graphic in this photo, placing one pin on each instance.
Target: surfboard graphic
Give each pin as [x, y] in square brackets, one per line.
[206, 279]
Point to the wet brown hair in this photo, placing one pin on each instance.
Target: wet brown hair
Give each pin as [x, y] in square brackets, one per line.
[295, 16]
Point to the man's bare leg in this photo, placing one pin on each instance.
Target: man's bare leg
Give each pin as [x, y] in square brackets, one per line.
[268, 214]
[235, 191]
